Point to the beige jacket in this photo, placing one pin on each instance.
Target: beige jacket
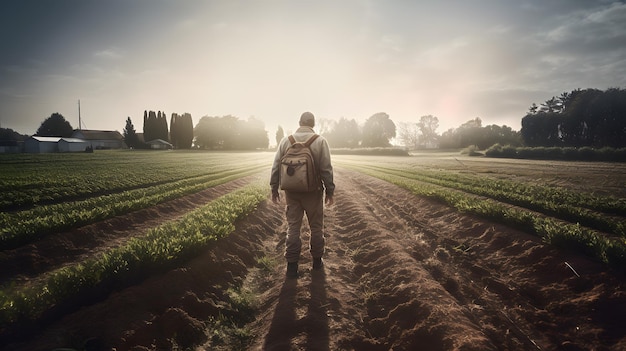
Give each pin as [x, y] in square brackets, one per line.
[321, 153]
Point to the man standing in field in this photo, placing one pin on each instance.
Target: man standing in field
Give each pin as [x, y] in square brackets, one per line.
[299, 202]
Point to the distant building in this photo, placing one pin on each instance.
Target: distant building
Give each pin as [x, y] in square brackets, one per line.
[79, 142]
[160, 144]
[73, 145]
[38, 144]
[101, 139]
[11, 146]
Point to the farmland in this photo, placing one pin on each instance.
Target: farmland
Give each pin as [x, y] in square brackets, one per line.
[177, 249]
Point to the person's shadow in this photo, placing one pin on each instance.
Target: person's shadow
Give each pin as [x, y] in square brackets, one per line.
[318, 331]
[285, 325]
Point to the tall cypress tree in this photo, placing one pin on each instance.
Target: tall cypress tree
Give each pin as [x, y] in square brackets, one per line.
[130, 135]
[186, 131]
[174, 132]
[163, 131]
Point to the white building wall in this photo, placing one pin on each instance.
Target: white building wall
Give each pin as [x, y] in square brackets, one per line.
[72, 145]
[41, 144]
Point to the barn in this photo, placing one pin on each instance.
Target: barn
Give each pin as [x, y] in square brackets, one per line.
[72, 145]
[38, 144]
[101, 139]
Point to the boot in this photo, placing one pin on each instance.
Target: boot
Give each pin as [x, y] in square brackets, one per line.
[292, 270]
[318, 263]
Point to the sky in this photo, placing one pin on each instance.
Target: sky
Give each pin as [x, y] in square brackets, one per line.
[274, 59]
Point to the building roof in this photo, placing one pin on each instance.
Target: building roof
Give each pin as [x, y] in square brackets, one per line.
[158, 141]
[73, 140]
[99, 134]
[46, 139]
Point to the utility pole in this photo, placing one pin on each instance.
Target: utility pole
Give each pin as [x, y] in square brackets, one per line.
[79, 122]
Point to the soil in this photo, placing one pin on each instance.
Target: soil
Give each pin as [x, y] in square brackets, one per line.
[400, 273]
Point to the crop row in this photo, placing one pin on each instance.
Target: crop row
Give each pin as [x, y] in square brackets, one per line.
[22, 227]
[73, 177]
[557, 202]
[161, 248]
[574, 236]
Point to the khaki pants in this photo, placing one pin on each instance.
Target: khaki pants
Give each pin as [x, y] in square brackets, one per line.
[313, 205]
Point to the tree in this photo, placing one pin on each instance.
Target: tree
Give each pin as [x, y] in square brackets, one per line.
[422, 134]
[181, 131]
[589, 117]
[343, 133]
[161, 127]
[468, 133]
[494, 134]
[551, 106]
[147, 131]
[472, 133]
[323, 125]
[408, 134]
[55, 126]
[250, 135]
[540, 129]
[428, 128]
[210, 132]
[155, 126]
[8, 134]
[130, 135]
[378, 130]
[280, 134]
[230, 133]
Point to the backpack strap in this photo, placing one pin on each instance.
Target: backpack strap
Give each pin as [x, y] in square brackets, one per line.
[311, 140]
[308, 143]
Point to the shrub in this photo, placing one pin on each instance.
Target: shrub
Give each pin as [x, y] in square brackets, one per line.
[586, 153]
[471, 150]
[375, 151]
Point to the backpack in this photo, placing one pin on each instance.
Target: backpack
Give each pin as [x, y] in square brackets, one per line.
[298, 172]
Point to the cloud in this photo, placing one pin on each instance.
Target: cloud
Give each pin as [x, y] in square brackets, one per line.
[602, 29]
[113, 54]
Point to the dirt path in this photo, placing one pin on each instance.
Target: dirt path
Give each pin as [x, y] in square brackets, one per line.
[401, 273]
[405, 273]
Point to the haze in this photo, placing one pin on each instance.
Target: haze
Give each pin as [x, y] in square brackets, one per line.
[456, 60]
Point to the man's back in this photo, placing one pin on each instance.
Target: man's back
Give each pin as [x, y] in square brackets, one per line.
[321, 153]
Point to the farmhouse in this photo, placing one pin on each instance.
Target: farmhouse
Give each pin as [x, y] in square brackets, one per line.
[101, 139]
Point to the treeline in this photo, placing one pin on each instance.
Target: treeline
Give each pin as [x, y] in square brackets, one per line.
[590, 117]
[211, 133]
[581, 118]
[8, 134]
[472, 133]
[376, 132]
[230, 133]
[155, 126]
[585, 153]
[180, 133]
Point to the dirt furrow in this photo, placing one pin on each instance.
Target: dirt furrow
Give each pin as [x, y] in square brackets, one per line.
[54, 251]
[410, 273]
[401, 272]
[506, 282]
[177, 309]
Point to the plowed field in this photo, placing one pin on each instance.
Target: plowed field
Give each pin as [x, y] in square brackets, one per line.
[401, 273]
